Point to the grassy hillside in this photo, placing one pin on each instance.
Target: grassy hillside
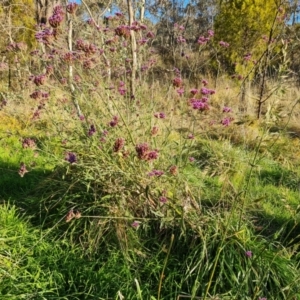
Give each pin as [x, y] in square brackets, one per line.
[158, 198]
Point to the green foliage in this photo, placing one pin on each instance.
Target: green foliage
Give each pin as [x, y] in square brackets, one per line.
[247, 26]
[22, 21]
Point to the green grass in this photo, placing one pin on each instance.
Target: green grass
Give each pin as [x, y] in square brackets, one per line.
[232, 198]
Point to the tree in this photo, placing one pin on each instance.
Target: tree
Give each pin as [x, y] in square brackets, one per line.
[247, 26]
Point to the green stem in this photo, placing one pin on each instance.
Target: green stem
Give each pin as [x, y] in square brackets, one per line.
[164, 267]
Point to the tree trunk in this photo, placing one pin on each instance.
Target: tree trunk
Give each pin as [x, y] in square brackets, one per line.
[133, 50]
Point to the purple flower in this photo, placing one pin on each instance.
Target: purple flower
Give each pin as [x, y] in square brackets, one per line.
[199, 105]
[262, 298]
[92, 130]
[114, 121]
[142, 41]
[150, 35]
[226, 121]
[194, 91]
[247, 57]
[123, 30]
[181, 39]
[160, 115]
[191, 159]
[177, 82]
[202, 40]
[204, 91]
[22, 171]
[135, 224]
[157, 173]
[191, 136]
[57, 17]
[28, 143]
[226, 109]
[39, 79]
[204, 82]
[36, 95]
[122, 90]
[119, 144]
[71, 157]
[180, 91]
[152, 155]
[223, 44]
[142, 150]
[71, 7]
[163, 199]
[248, 253]
[210, 33]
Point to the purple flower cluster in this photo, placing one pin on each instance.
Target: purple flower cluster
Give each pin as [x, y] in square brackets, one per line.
[226, 121]
[71, 157]
[121, 88]
[58, 16]
[142, 41]
[226, 109]
[150, 35]
[139, 25]
[39, 79]
[177, 82]
[92, 130]
[22, 171]
[194, 91]
[163, 199]
[143, 152]
[199, 104]
[206, 91]
[15, 47]
[71, 7]
[123, 30]
[248, 253]
[45, 36]
[179, 27]
[114, 122]
[204, 82]
[180, 91]
[119, 144]
[160, 115]
[247, 57]
[202, 40]
[157, 173]
[28, 143]
[87, 48]
[39, 94]
[223, 44]
[181, 39]
[135, 224]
